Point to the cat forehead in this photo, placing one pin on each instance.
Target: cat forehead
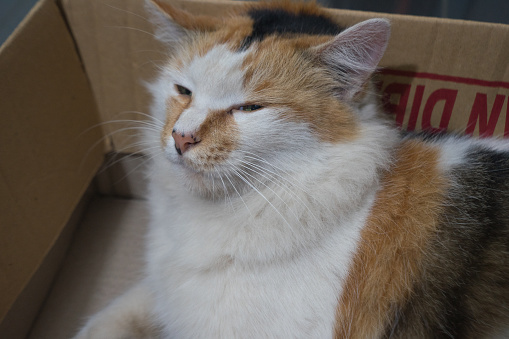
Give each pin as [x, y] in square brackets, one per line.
[305, 23]
[218, 74]
[267, 22]
[217, 62]
[288, 22]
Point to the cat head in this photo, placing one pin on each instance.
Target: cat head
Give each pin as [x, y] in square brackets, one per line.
[271, 83]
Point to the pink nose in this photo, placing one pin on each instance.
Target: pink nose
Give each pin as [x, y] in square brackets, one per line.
[184, 141]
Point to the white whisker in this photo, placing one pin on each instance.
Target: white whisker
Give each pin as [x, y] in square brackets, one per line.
[273, 178]
[226, 195]
[240, 196]
[138, 166]
[274, 192]
[261, 194]
[134, 29]
[144, 115]
[288, 177]
[153, 62]
[111, 163]
[257, 157]
[129, 12]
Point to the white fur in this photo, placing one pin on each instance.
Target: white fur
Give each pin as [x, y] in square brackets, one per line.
[453, 149]
[254, 270]
[204, 77]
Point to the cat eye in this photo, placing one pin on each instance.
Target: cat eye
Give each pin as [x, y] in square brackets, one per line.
[182, 90]
[249, 108]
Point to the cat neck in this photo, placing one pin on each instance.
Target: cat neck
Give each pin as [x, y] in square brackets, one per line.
[278, 218]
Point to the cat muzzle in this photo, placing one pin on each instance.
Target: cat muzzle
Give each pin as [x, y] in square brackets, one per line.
[184, 141]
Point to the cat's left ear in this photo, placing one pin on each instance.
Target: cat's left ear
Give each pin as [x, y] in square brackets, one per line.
[353, 55]
[173, 24]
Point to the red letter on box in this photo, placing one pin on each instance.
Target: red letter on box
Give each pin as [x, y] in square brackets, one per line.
[449, 95]
[480, 113]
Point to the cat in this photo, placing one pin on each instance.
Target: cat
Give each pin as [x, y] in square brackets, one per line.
[284, 205]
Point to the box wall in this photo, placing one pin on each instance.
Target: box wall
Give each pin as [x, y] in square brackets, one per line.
[48, 158]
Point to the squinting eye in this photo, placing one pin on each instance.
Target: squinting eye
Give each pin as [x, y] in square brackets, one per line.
[249, 108]
[182, 90]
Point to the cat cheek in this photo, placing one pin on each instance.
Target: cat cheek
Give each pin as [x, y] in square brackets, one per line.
[168, 146]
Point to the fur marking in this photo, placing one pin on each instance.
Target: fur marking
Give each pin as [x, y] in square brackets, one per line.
[277, 21]
[276, 68]
[387, 263]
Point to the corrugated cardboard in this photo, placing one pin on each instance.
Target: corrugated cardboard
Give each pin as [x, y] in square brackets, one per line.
[46, 104]
[437, 74]
[115, 40]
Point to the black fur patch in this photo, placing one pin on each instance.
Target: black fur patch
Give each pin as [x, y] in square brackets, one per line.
[278, 21]
[464, 290]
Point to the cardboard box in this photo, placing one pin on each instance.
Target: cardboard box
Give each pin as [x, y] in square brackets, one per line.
[72, 64]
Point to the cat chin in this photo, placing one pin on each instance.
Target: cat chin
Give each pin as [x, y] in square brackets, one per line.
[213, 183]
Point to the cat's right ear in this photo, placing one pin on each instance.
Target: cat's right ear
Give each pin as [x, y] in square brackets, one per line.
[353, 55]
[174, 25]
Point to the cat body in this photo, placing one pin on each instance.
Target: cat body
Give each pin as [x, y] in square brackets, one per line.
[284, 206]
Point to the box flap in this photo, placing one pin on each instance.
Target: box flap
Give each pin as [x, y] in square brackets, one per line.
[47, 159]
[115, 41]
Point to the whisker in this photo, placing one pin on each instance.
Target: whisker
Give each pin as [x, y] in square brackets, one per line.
[142, 114]
[273, 178]
[98, 142]
[153, 62]
[226, 195]
[129, 12]
[235, 188]
[213, 185]
[260, 193]
[138, 166]
[131, 121]
[273, 173]
[110, 163]
[274, 192]
[257, 157]
[134, 29]
[105, 123]
[288, 178]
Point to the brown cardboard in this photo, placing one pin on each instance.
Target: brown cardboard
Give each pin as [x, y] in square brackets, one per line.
[18, 320]
[105, 259]
[46, 104]
[115, 40]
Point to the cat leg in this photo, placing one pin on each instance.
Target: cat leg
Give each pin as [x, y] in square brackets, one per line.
[127, 317]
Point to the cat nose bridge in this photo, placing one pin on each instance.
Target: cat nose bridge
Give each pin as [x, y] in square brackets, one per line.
[184, 141]
[186, 128]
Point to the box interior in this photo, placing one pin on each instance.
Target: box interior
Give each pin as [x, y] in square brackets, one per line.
[71, 231]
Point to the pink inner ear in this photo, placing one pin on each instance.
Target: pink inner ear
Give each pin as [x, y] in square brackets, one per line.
[356, 52]
[368, 41]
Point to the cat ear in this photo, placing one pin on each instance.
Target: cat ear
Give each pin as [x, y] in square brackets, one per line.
[173, 24]
[353, 55]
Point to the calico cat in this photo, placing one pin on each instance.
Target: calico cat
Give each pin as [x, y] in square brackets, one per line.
[283, 205]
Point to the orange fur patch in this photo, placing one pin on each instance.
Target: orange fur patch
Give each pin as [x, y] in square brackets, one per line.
[219, 136]
[187, 20]
[276, 68]
[236, 30]
[390, 252]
